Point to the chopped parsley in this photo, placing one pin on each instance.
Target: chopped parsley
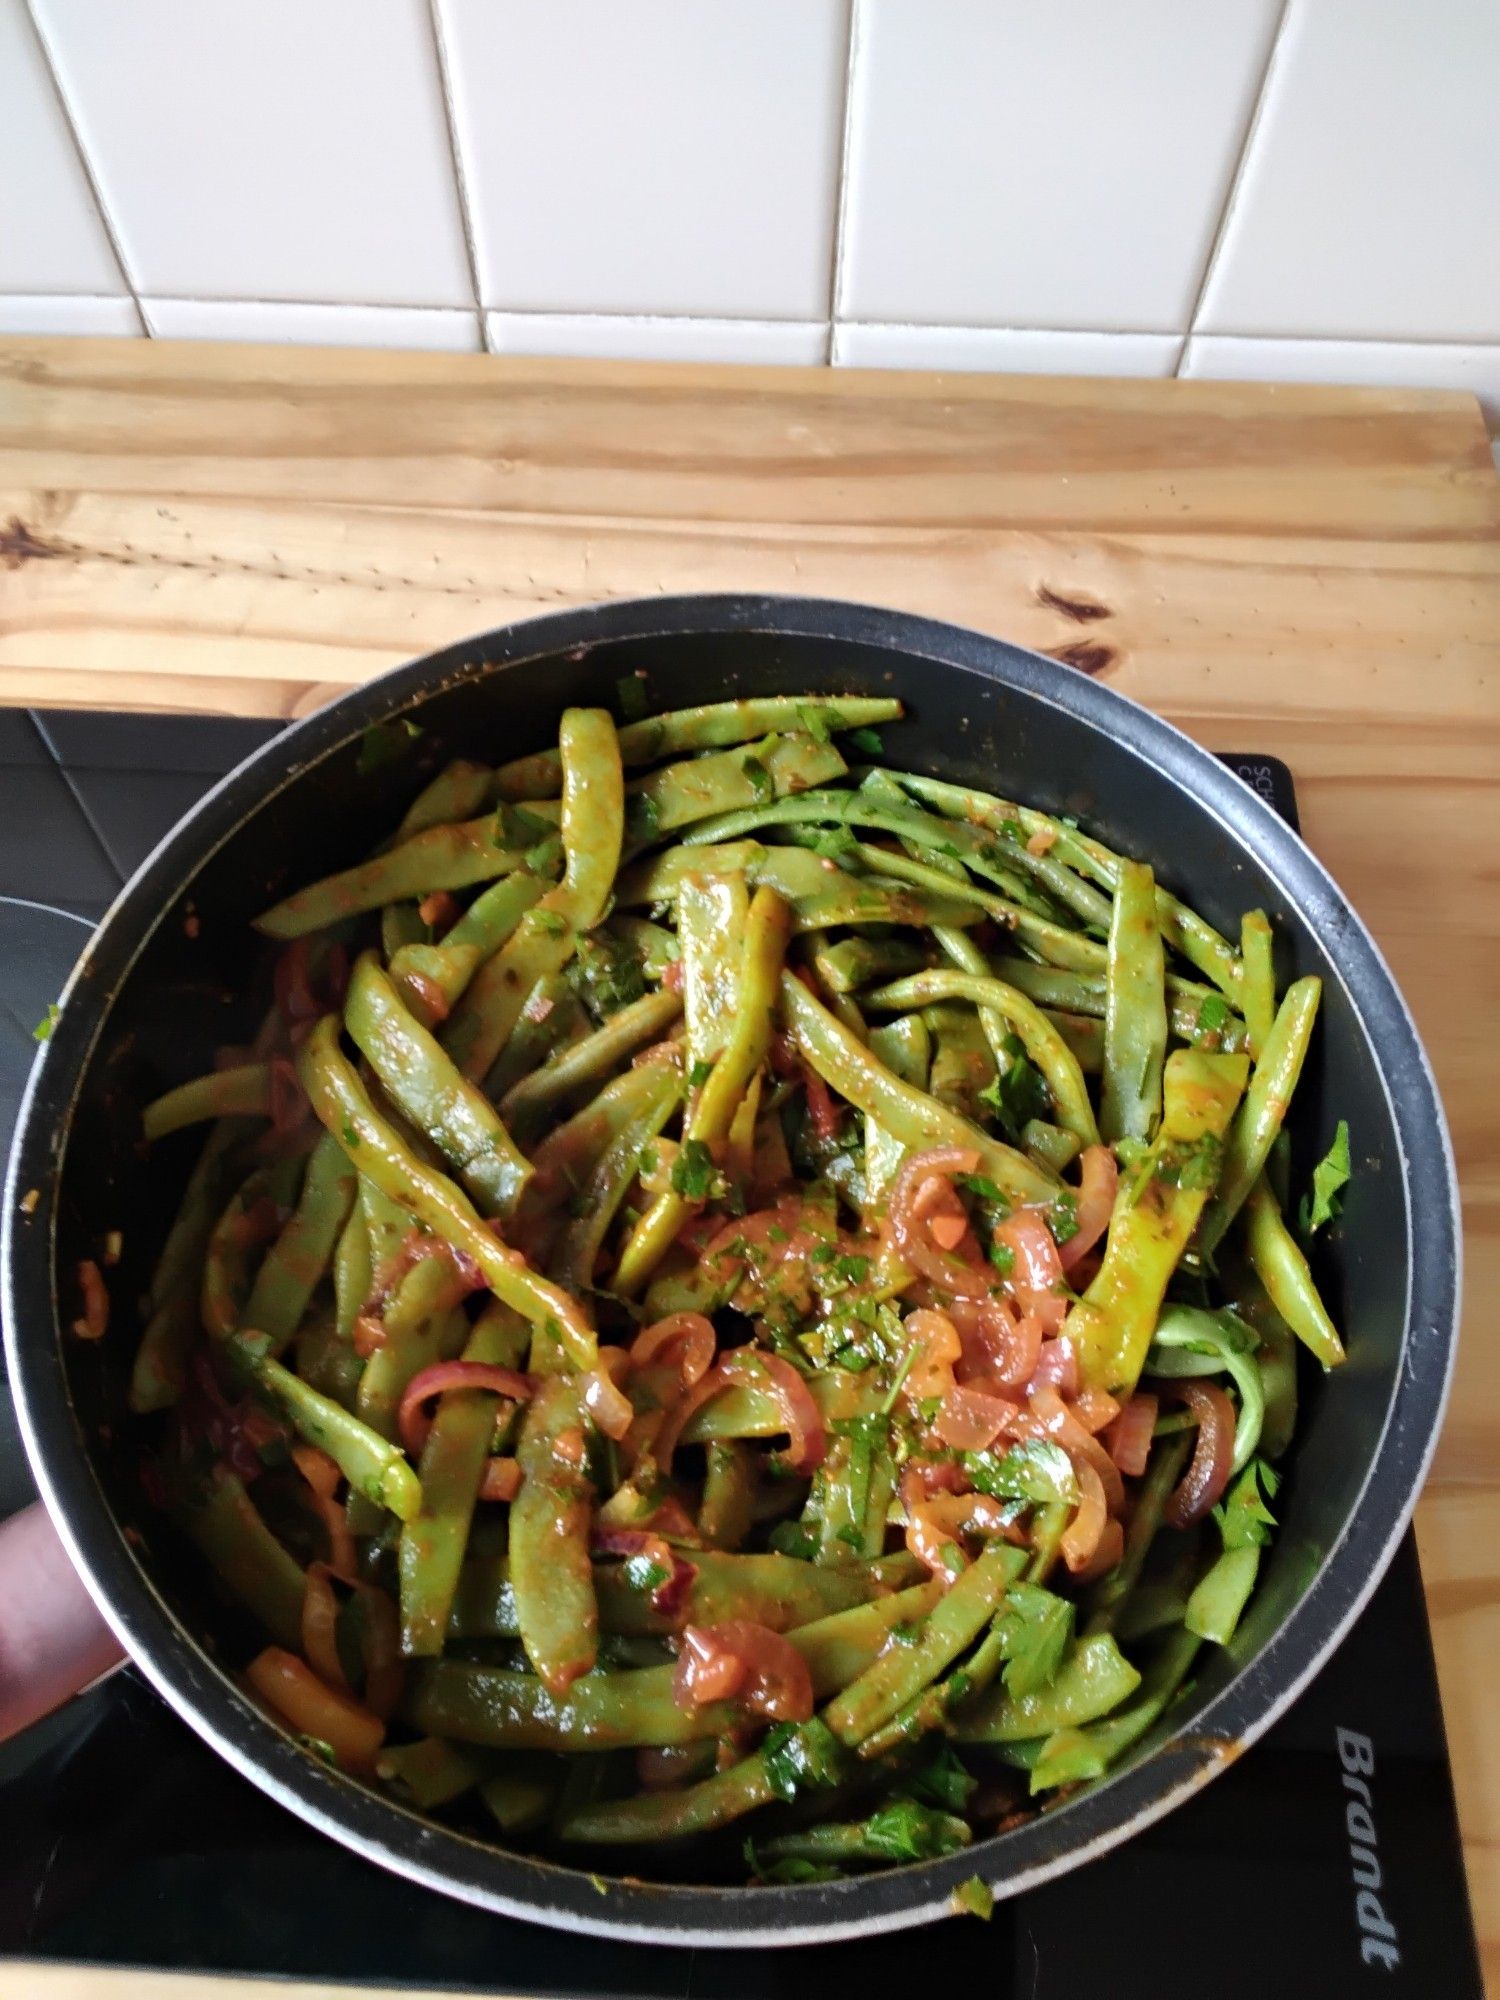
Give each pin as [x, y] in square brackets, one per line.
[982, 1186]
[699, 1074]
[1003, 1258]
[762, 789]
[1035, 1626]
[791, 1538]
[630, 693]
[1244, 1520]
[350, 1137]
[642, 816]
[943, 1780]
[834, 843]
[1330, 1177]
[605, 974]
[802, 1756]
[694, 1172]
[644, 1574]
[319, 1747]
[906, 1830]
[1063, 1216]
[1213, 1017]
[42, 1032]
[1018, 1093]
[1193, 1165]
[1035, 1469]
[383, 742]
[868, 741]
[974, 1898]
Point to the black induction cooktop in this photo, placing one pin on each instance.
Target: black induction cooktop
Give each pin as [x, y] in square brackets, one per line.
[1326, 1861]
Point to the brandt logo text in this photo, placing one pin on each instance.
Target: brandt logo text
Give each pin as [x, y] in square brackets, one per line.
[1377, 1934]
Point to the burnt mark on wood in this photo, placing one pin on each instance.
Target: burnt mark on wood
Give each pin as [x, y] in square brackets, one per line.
[20, 544]
[1089, 656]
[1081, 610]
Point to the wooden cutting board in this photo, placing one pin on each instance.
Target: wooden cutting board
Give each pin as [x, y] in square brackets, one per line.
[1311, 572]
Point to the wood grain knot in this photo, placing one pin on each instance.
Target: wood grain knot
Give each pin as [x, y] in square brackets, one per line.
[1082, 610]
[18, 544]
[1089, 656]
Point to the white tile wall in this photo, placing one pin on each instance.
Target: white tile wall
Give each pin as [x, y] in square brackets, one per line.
[51, 238]
[1060, 165]
[282, 149]
[650, 157]
[1004, 350]
[1370, 202]
[600, 337]
[313, 325]
[1289, 189]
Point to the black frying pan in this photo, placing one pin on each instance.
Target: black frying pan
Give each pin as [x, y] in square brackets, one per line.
[148, 1005]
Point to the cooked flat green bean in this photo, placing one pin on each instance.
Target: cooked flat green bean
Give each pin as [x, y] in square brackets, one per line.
[711, 914]
[1095, 1678]
[456, 792]
[1257, 978]
[716, 727]
[550, 1570]
[598, 1199]
[245, 1091]
[552, 1017]
[1135, 1010]
[1183, 929]
[419, 1077]
[708, 1120]
[899, 1674]
[372, 1464]
[915, 1120]
[1076, 1753]
[1259, 1119]
[352, 1270]
[420, 1326]
[343, 1105]
[779, 1592]
[453, 1460]
[1282, 1269]
[821, 893]
[441, 857]
[635, 1709]
[430, 1772]
[295, 1263]
[1053, 986]
[246, 1557]
[940, 844]
[432, 978]
[903, 1047]
[1112, 1592]
[1044, 1045]
[159, 1372]
[593, 819]
[594, 1058]
[250, 1217]
[1155, 1213]
[723, 780]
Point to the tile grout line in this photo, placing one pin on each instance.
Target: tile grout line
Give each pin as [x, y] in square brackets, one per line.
[1236, 180]
[841, 190]
[86, 167]
[460, 175]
